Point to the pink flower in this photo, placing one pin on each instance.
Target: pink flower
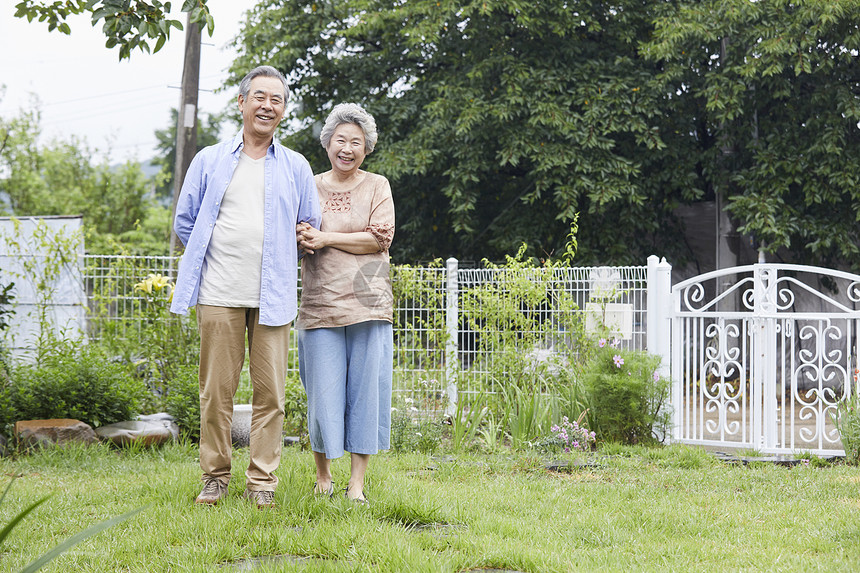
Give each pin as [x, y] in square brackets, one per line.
[601, 343]
[618, 360]
[615, 343]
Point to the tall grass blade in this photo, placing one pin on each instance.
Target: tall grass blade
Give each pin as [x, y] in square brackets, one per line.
[74, 539]
[15, 520]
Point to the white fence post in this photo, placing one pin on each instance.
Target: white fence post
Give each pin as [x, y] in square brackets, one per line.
[659, 301]
[659, 341]
[452, 313]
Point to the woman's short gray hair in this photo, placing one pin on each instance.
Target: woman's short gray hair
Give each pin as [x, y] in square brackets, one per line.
[350, 113]
[266, 72]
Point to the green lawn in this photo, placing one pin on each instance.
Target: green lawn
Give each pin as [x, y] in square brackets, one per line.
[670, 509]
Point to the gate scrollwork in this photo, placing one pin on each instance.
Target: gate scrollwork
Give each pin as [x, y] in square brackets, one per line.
[723, 367]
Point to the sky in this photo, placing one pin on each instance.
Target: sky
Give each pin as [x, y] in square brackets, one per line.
[85, 91]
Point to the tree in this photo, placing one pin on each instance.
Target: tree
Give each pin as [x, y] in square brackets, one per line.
[59, 178]
[128, 24]
[208, 133]
[499, 121]
[771, 90]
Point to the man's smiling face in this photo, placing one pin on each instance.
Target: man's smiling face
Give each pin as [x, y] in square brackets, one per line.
[264, 107]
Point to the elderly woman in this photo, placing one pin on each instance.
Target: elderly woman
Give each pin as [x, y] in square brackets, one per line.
[345, 318]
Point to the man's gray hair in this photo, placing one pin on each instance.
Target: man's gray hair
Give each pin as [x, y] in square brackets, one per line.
[266, 72]
[350, 113]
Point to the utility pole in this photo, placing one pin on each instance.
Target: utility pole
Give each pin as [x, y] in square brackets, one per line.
[186, 125]
[728, 239]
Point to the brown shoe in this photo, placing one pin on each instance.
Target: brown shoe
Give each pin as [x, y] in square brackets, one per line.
[261, 498]
[213, 492]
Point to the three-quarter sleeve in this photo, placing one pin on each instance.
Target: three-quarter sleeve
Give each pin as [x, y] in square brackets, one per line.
[381, 224]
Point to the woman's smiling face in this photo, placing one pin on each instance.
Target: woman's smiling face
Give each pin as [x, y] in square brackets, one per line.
[346, 150]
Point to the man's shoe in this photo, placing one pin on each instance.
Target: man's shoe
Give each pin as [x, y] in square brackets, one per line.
[261, 498]
[213, 492]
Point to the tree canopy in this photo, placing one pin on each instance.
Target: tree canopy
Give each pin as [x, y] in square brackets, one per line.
[501, 120]
[772, 93]
[129, 24]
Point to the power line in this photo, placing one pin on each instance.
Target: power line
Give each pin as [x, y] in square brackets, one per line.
[121, 92]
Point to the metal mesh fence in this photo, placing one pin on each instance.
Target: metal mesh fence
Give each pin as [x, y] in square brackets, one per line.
[112, 303]
[548, 314]
[450, 325]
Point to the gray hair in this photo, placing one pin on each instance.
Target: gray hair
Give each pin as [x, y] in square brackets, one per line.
[350, 113]
[266, 72]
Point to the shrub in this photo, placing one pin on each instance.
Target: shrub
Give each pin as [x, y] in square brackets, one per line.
[6, 311]
[467, 421]
[79, 384]
[625, 394]
[847, 421]
[411, 432]
[160, 345]
[182, 400]
[295, 408]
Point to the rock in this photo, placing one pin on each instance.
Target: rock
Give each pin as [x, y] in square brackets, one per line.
[148, 433]
[159, 417]
[62, 431]
[240, 431]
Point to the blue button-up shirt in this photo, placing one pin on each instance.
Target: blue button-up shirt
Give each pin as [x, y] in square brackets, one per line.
[290, 198]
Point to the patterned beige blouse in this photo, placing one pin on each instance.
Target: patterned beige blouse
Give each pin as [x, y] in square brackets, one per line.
[339, 288]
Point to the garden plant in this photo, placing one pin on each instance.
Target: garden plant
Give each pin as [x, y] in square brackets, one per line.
[846, 418]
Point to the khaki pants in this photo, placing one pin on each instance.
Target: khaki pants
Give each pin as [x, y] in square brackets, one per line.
[222, 355]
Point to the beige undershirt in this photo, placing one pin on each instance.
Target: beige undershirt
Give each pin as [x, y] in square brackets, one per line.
[233, 263]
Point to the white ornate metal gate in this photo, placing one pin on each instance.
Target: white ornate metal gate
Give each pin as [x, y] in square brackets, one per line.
[761, 354]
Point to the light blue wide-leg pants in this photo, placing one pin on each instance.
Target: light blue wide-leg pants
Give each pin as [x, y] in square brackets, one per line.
[346, 372]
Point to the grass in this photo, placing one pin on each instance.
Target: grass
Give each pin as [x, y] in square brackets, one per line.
[674, 508]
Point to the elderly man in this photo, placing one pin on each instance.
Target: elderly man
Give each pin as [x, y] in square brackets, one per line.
[236, 215]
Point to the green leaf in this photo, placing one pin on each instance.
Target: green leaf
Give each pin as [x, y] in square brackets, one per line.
[77, 538]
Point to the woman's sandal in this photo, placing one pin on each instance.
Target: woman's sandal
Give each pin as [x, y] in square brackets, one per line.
[358, 500]
[328, 492]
